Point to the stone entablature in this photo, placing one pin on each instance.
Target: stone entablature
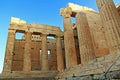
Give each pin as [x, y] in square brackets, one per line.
[78, 8]
[34, 28]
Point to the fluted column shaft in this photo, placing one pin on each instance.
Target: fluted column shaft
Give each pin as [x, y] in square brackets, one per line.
[60, 62]
[9, 51]
[44, 55]
[85, 40]
[70, 51]
[27, 52]
[111, 23]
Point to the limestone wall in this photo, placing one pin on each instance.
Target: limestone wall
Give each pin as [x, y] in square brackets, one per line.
[97, 33]
[35, 51]
[96, 28]
[17, 63]
[85, 50]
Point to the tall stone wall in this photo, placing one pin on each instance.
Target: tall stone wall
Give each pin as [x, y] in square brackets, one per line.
[17, 63]
[97, 33]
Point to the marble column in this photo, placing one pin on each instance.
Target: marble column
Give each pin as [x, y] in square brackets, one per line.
[70, 51]
[9, 51]
[27, 52]
[60, 62]
[44, 53]
[86, 47]
[111, 23]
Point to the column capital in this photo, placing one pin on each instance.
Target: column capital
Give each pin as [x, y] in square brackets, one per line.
[66, 12]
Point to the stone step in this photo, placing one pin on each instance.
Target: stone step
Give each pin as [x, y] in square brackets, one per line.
[42, 78]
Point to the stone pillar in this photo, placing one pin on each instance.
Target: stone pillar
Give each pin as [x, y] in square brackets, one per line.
[85, 40]
[9, 51]
[70, 51]
[27, 52]
[111, 23]
[60, 62]
[44, 55]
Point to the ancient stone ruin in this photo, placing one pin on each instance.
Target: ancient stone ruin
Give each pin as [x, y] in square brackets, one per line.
[88, 49]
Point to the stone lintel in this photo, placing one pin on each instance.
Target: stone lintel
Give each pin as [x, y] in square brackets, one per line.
[74, 9]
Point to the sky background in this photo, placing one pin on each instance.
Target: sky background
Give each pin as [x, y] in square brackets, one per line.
[34, 11]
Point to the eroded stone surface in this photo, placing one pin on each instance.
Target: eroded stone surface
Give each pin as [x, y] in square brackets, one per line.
[93, 39]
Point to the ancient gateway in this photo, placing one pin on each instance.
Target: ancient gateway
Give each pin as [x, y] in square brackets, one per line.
[84, 51]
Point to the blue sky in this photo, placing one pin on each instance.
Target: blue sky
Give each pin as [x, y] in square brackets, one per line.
[34, 11]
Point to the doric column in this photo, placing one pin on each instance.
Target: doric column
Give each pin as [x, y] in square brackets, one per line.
[44, 55]
[70, 51]
[27, 52]
[111, 23]
[9, 51]
[85, 39]
[60, 63]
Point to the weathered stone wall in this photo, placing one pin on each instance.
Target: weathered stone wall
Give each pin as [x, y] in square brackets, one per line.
[97, 33]
[35, 55]
[84, 51]
[17, 63]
